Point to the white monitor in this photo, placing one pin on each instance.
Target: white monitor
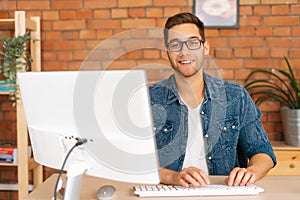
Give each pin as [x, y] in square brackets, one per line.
[111, 109]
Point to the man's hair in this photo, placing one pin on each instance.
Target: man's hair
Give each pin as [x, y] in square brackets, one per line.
[183, 18]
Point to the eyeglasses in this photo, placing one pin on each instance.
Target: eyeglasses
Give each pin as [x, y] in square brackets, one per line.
[191, 44]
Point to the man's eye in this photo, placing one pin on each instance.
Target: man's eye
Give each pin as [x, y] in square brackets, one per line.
[174, 44]
[194, 43]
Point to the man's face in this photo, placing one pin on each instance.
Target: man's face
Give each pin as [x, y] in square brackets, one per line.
[186, 61]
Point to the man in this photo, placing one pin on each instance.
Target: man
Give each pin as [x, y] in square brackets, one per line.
[204, 126]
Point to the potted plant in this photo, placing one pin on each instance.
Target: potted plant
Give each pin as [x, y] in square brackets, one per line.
[283, 87]
[14, 56]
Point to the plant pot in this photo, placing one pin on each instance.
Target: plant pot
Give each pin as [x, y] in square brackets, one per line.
[291, 126]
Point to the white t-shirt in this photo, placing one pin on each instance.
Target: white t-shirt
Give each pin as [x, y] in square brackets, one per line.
[195, 149]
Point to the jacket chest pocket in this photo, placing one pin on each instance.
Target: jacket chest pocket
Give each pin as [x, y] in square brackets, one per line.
[229, 129]
[163, 134]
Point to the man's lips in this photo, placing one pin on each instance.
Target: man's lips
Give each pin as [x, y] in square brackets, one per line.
[185, 62]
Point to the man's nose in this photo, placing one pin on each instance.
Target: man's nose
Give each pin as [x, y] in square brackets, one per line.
[184, 49]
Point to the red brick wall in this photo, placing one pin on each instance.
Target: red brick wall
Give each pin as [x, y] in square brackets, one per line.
[268, 30]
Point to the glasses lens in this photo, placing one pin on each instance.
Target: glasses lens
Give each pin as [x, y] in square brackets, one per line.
[175, 46]
[193, 44]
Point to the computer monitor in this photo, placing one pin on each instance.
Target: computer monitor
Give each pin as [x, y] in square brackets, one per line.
[110, 109]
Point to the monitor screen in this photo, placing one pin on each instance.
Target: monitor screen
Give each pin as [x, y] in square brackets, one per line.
[111, 109]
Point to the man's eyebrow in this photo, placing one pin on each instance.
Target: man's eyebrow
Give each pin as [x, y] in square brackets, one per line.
[176, 39]
[194, 37]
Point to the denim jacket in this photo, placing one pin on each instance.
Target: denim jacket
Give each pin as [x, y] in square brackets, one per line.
[231, 125]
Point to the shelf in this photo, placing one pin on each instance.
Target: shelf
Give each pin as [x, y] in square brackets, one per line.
[13, 187]
[20, 24]
[4, 93]
[8, 165]
[31, 164]
[5, 22]
[29, 24]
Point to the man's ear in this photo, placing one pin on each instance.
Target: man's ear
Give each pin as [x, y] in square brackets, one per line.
[206, 47]
[165, 53]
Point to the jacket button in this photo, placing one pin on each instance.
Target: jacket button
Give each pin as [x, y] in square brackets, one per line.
[209, 157]
[202, 112]
[233, 126]
[165, 130]
[206, 135]
[224, 128]
[154, 128]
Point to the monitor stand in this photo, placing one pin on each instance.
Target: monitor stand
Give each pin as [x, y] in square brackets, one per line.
[73, 182]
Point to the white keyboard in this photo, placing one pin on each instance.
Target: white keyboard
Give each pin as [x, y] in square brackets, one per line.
[209, 190]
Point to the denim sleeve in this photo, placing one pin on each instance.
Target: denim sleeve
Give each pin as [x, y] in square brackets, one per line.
[253, 138]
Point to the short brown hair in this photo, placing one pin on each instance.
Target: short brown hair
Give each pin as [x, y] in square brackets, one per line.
[183, 18]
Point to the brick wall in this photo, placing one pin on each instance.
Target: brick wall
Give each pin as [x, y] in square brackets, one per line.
[268, 30]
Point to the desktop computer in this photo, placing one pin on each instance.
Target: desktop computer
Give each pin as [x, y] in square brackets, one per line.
[109, 109]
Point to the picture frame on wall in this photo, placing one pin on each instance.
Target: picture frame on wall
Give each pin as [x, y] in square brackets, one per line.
[218, 13]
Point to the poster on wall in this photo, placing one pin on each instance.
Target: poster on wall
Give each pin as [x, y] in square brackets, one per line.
[217, 13]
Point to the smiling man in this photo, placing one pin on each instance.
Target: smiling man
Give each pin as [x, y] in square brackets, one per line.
[203, 125]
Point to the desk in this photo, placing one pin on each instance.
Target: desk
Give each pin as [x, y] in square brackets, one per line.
[276, 188]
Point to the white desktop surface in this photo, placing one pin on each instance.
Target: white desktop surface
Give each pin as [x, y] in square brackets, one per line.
[276, 188]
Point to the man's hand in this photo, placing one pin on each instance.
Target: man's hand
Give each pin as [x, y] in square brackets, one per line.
[240, 177]
[186, 177]
[258, 167]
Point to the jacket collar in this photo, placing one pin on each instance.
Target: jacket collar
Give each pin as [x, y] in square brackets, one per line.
[214, 89]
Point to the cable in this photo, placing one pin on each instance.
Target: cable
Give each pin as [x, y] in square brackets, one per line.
[79, 142]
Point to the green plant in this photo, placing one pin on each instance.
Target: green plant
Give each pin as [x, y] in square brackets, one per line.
[14, 56]
[282, 86]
